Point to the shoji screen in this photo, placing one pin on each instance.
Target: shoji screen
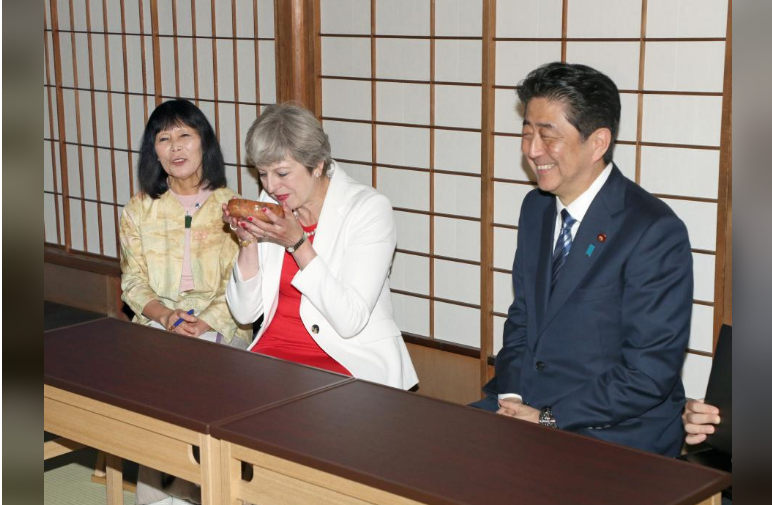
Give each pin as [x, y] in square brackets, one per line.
[113, 60]
[667, 58]
[96, 53]
[401, 97]
[220, 54]
[404, 87]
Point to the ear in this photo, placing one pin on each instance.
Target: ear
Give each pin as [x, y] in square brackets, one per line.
[319, 169]
[601, 140]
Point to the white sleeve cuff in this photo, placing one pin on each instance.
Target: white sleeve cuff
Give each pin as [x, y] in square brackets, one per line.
[244, 298]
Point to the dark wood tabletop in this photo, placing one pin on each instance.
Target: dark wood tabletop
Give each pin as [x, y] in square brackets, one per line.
[436, 452]
[188, 382]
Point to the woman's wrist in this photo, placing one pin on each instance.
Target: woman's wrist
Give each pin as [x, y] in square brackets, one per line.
[247, 242]
[157, 312]
[300, 242]
[304, 254]
[163, 320]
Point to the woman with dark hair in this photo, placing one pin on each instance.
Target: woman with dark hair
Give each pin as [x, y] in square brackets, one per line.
[176, 254]
[320, 274]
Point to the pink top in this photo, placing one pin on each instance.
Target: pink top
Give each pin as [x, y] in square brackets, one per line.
[191, 203]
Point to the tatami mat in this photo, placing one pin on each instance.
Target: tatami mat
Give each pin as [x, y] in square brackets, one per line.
[67, 481]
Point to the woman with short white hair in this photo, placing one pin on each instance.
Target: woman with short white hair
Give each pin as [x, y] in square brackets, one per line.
[319, 275]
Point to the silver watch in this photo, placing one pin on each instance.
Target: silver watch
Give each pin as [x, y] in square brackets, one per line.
[546, 418]
[291, 249]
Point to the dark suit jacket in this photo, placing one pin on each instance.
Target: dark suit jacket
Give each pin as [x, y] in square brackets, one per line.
[605, 351]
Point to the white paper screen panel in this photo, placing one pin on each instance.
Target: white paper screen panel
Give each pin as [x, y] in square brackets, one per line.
[604, 18]
[527, 19]
[458, 60]
[679, 171]
[399, 102]
[503, 292]
[695, 374]
[410, 273]
[361, 173]
[457, 281]
[457, 238]
[458, 18]
[514, 59]
[407, 147]
[411, 313]
[349, 99]
[686, 18]
[412, 231]
[618, 60]
[348, 57]
[682, 119]
[418, 130]
[406, 189]
[107, 60]
[457, 151]
[345, 16]
[685, 66]
[457, 324]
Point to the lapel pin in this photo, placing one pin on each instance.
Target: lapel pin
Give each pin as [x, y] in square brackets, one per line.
[601, 237]
[590, 249]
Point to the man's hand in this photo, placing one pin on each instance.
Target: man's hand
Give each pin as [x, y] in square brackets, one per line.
[699, 420]
[514, 407]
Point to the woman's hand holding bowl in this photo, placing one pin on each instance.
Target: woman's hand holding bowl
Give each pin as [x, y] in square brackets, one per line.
[263, 220]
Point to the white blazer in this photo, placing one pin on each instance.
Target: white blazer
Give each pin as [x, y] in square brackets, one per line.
[346, 302]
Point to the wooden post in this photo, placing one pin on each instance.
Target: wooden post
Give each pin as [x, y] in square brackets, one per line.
[722, 307]
[157, 83]
[61, 124]
[486, 187]
[295, 56]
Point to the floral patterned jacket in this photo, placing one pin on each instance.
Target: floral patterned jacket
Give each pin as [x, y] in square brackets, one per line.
[152, 234]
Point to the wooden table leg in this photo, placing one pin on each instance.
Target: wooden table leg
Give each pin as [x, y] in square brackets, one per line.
[99, 466]
[59, 446]
[230, 471]
[114, 471]
[713, 500]
[211, 492]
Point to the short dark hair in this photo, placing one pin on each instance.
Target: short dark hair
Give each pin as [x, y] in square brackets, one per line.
[590, 97]
[151, 175]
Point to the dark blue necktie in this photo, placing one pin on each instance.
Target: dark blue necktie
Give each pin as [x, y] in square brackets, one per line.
[563, 246]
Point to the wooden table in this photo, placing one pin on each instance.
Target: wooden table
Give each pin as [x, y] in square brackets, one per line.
[150, 396]
[362, 443]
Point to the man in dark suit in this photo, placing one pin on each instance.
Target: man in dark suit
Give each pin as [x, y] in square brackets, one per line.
[595, 339]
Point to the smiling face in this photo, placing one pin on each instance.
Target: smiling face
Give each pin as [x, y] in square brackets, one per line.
[179, 150]
[564, 164]
[290, 181]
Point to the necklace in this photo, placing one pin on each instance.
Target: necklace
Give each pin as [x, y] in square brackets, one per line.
[191, 209]
[309, 233]
[190, 204]
[188, 217]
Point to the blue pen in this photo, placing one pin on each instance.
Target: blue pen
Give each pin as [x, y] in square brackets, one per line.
[180, 320]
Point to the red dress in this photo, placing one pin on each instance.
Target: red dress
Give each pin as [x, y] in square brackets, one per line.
[286, 337]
